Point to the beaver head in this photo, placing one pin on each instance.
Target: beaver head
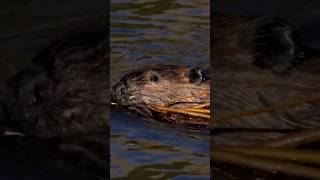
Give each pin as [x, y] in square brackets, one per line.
[63, 92]
[164, 85]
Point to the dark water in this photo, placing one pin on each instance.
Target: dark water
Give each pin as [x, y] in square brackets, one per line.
[13, 168]
[154, 32]
[145, 151]
[146, 32]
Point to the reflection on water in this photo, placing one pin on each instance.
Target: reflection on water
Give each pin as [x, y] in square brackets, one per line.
[140, 150]
[154, 32]
[144, 32]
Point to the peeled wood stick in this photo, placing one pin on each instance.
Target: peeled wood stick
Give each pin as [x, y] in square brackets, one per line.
[268, 109]
[205, 111]
[173, 110]
[294, 139]
[287, 154]
[265, 164]
[205, 105]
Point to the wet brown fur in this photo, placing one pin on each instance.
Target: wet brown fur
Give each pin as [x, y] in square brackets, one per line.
[164, 85]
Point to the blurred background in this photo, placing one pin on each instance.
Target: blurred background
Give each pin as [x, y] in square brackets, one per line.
[26, 26]
[304, 15]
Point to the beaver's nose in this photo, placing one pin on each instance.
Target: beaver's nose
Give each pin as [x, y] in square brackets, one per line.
[197, 76]
[118, 93]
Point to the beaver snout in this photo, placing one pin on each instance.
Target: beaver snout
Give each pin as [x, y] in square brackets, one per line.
[118, 94]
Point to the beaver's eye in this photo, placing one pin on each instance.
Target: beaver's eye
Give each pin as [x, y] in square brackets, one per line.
[154, 78]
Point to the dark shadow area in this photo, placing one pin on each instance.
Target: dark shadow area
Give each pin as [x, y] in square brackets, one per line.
[54, 83]
[265, 61]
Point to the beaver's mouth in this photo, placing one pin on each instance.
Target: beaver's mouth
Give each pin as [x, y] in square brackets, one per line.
[201, 110]
[195, 105]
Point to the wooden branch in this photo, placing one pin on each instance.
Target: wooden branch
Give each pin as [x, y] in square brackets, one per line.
[294, 139]
[287, 154]
[179, 111]
[269, 165]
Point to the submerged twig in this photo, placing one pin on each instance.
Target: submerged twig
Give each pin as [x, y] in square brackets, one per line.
[265, 164]
[294, 139]
[287, 154]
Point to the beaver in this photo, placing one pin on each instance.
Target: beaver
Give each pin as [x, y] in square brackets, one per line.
[59, 102]
[164, 85]
[61, 92]
[260, 63]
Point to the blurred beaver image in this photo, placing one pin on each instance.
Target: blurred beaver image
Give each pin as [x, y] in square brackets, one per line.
[59, 103]
[258, 63]
[265, 100]
[64, 91]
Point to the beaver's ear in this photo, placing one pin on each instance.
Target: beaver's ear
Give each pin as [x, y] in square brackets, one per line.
[195, 75]
[275, 45]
